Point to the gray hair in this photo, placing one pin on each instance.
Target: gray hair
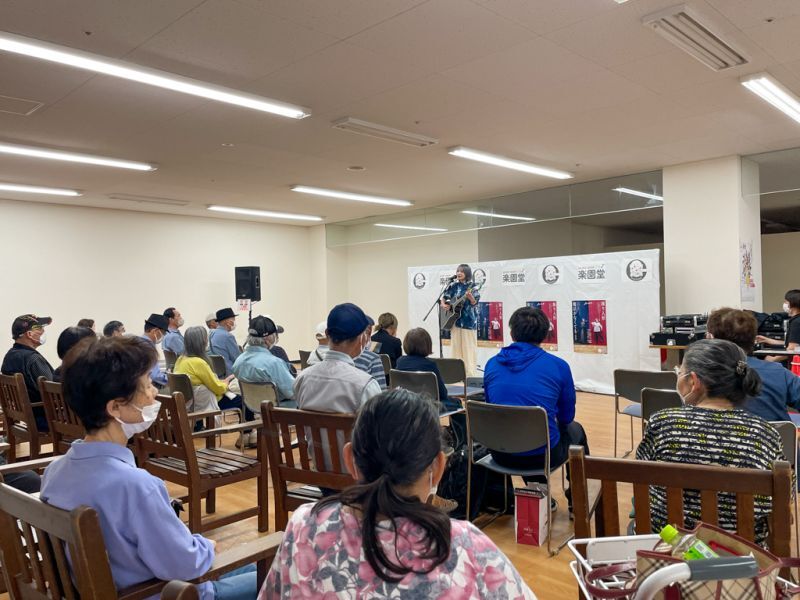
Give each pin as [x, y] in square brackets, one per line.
[256, 340]
[722, 368]
[195, 341]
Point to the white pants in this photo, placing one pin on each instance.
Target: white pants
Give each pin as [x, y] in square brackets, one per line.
[465, 347]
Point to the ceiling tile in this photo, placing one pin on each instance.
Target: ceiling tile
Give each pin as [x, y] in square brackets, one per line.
[544, 16]
[746, 13]
[779, 38]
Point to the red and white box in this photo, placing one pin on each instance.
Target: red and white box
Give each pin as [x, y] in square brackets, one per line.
[530, 514]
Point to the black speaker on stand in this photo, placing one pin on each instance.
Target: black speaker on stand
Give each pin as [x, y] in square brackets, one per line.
[248, 283]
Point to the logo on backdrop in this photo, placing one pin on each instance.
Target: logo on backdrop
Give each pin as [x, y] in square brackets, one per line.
[550, 274]
[420, 280]
[479, 276]
[636, 270]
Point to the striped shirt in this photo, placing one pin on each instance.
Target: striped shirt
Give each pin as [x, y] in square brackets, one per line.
[371, 363]
[728, 438]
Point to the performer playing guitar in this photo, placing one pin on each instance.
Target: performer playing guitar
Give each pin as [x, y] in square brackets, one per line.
[464, 335]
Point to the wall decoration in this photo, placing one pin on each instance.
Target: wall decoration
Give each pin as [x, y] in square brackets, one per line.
[550, 309]
[589, 333]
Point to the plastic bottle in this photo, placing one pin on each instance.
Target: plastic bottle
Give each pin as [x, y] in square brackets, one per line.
[688, 547]
[796, 364]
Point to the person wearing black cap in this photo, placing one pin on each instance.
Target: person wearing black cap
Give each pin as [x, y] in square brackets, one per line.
[280, 352]
[257, 364]
[28, 334]
[368, 361]
[155, 328]
[221, 340]
[336, 385]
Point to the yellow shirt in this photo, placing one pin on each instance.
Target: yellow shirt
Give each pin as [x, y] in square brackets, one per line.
[200, 373]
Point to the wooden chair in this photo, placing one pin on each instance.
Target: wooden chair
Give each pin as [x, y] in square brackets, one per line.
[167, 450]
[334, 429]
[304, 356]
[20, 421]
[65, 426]
[709, 480]
[28, 523]
[170, 358]
[628, 384]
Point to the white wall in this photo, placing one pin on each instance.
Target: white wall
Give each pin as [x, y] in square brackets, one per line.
[74, 262]
[780, 266]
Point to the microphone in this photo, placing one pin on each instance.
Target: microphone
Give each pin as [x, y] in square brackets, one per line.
[453, 278]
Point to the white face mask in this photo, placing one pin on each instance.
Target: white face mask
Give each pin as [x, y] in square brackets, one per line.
[434, 488]
[677, 389]
[233, 326]
[43, 338]
[180, 322]
[149, 414]
[786, 307]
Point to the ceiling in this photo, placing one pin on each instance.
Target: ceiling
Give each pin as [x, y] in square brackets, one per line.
[580, 86]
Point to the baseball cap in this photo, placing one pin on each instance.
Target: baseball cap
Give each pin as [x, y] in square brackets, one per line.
[320, 331]
[25, 323]
[261, 326]
[278, 327]
[211, 317]
[346, 321]
[159, 321]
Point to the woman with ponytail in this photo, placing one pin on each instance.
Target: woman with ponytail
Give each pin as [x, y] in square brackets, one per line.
[381, 538]
[712, 428]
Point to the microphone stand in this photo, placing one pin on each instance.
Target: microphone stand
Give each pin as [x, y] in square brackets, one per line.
[434, 305]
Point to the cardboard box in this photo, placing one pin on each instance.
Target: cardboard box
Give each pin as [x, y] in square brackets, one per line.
[530, 514]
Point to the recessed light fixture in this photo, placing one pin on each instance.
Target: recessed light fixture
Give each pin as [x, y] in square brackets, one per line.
[35, 189]
[87, 159]
[227, 145]
[117, 68]
[767, 87]
[508, 163]
[383, 132]
[305, 189]
[263, 213]
[356, 168]
[478, 213]
[624, 190]
[414, 227]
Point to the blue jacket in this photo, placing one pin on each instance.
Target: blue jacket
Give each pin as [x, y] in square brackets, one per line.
[779, 388]
[525, 375]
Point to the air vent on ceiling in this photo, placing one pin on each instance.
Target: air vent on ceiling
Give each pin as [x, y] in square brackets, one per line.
[149, 199]
[683, 27]
[383, 132]
[19, 106]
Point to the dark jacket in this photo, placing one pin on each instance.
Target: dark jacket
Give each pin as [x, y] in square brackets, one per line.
[390, 345]
[24, 359]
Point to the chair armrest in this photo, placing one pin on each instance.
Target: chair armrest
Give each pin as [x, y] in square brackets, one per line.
[142, 590]
[260, 549]
[35, 404]
[235, 428]
[179, 590]
[26, 465]
[204, 414]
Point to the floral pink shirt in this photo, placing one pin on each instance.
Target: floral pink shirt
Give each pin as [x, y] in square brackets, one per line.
[321, 557]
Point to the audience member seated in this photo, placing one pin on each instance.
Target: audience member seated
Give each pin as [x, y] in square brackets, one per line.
[385, 335]
[68, 338]
[107, 384]
[28, 334]
[194, 362]
[791, 306]
[336, 385]
[211, 321]
[221, 340]
[280, 352]
[114, 329]
[318, 355]
[258, 365]
[368, 361]
[779, 387]
[379, 538]
[418, 346]
[523, 374]
[88, 323]
[712, 429]
[173, 341]
[155, 328]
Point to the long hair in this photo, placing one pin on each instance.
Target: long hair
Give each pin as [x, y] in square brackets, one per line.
[388, 458]
[195, 342]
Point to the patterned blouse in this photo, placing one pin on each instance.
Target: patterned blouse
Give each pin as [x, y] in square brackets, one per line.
[728, 438]
[321, 556]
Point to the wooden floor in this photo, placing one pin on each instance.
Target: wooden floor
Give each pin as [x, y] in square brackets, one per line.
[550, 578]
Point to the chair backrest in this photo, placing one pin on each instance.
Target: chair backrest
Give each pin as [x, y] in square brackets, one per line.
[304, 355]
[180, 382]
[510, 429]
[170, 358]
[421, 382]
[452, 369]
[15, 403]
[656, 400]
[27, 524]
[709, 480]
[256, 393]
[169, 435]
[218, 365]
[65, 426]
[629, 384]
[386, 361]
[788, 433]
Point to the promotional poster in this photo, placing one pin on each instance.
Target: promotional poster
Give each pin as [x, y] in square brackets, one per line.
[589, 332]
[550, 309]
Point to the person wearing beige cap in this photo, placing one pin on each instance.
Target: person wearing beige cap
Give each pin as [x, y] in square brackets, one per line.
[211, 321]
[322, 339]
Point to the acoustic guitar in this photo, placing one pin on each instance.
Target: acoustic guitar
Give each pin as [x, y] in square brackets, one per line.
[450, 315]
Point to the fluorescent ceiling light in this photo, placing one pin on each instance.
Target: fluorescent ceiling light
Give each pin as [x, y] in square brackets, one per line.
[125, 70]
[508, 163]
[764, 85]
[624, 190]
[383, 132]
[149, 199]
[416, 228]
[304, 189]
[87, 159]
[34, 189]
[478, 213]
[263, 213]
